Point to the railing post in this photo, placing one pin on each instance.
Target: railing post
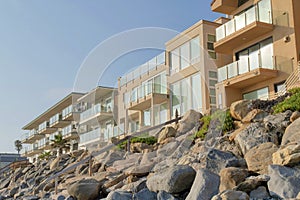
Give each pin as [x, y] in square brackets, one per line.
[56, 185]
[90, 166]
[176, 116]
[128, 145]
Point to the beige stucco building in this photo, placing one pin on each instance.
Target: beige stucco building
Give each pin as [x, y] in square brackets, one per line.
[262, 39]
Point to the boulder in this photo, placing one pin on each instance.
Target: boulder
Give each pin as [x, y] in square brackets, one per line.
[240, 109]
[295, 116]
[292, 133]
[139, 170]
[172, 180]
[255, 115]
[216, 160]
[140, 147]
[252, 183]
[259, 193]
[85, 189]
[205, 186]
[231, 177]
[289, 155]
[284, 181]
[148, 158]
[254, 135]
[260, 157]
[231, 195]
[167, 149]
[165, 133]
[119, 195]
[188, 122]
[132, 160]
[145, 194]
[162, 195]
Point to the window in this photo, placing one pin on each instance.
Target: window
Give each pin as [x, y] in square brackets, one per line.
[195, 50]
[212, 91]
[213, 74]
[147, 118]
[280, 87]
[184, 55]
[212, 83]
[257, 94]
[210, 46]
[175, 60]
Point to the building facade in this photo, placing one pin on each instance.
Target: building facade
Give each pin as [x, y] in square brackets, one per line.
[262, 38]
[62, 118]
[97, 118]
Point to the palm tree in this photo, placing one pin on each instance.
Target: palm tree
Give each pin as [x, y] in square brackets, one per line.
[18, 146]
[59, 143]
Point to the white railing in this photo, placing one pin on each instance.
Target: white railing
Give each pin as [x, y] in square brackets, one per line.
[261, 12]
[43, 126]
[54, 119]
[90, 136]
[143, 69]
[67, 111]
[94, 110]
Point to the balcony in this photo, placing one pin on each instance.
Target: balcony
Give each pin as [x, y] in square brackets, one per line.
[143, 69]
[244, 28]
[57, 122]
[224, 6]
[44, 144]
[52, 137]
[32, 150]
[31, 137]
[69, 133]
[68, 113]
[44, 128]
[142, 96]
[90, 137]
[102, 112]
[248, 71]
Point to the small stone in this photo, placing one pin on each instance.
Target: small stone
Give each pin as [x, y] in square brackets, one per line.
[295, 116]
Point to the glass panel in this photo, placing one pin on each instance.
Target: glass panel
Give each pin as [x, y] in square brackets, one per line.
[210, 46]
[266, 52]
[232, 69]
[212, 83]
[109, 129]
[251, 15]
[222, 73]
[212, 74]
[243, 62]
[175, 60]
[240, 21]
[147, 118]
[175, 98]
[254, 57]
[212, 54]
[161, 58]
[134, 95]
[257, 94]
[152, 63]
[230, 27]
[195, 50]
[211, 38]
[90, 136]
[196, 92]
[156, 115]
[163, 113]
[265, 11]
[186, 98]
[184, 56]
[157, 84]
[220, 32]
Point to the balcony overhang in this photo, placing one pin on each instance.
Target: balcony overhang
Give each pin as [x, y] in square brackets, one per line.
[33, 138]
[244, 35]
[224, 6]
[33, 152]
[145, 103]
[46, 146]
[47, 130]
[71, 136]
[250, 78]
[60, 124]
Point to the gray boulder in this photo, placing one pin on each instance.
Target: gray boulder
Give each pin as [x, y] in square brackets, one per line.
[231, 195]
[188, 122]
[119, 195]
[216, 160]
[145, 194]
[240, 109]
[292, 133]
[259, 193]
[86, 189]
[172, 180]
[162, 195]
[205, 186]
[284, 181]
[254, 135]
[165, 133]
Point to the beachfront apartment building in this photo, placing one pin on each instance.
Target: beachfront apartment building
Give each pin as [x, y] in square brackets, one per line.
[62, 118]
[97, 118]
[262, 37]
[181, 78]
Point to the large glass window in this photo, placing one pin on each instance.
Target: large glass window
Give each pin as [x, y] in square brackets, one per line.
[195, 50]
[184, 56]
[196, 92]
[147, 118]
[175, 60]
[176, 96]
[257, 94]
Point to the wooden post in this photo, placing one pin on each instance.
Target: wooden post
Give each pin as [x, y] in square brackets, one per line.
[90, 166]
[128, 145]
[176, 116]
[56, 185]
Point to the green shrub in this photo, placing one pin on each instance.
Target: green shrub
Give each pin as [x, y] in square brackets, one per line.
[292, 103]
[147, 140]
[221, 120]
[45, 155]
[202, 132]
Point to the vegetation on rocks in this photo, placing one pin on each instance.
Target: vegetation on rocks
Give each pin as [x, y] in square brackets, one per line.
[292, 103]
[147, 140]
[45, 155]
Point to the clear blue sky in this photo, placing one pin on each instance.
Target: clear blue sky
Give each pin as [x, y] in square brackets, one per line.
[43, 43]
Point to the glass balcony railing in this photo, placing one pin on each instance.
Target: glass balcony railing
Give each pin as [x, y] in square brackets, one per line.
[94, 110]
[54, 119]
[90, 136]
[143, 69]
[52, 136]
[67, 111]
[118, 130]
[28, 134]
[67, 130]
[246, 64]
[261, 12]
[147, 89]
[42, 142]
[43, 126]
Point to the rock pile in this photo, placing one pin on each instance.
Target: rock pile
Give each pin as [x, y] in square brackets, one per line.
[260, 159]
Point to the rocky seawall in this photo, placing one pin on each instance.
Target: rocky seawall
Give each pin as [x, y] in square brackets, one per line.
[258, 159]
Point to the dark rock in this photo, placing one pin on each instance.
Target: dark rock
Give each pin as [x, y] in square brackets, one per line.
[119, 195]
[162, 195]
[86, 189]
[145, 194]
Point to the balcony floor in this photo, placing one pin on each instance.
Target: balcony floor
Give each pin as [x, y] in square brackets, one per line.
[244, 35]
[60, 124]
[250, 78]
[32, 138]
